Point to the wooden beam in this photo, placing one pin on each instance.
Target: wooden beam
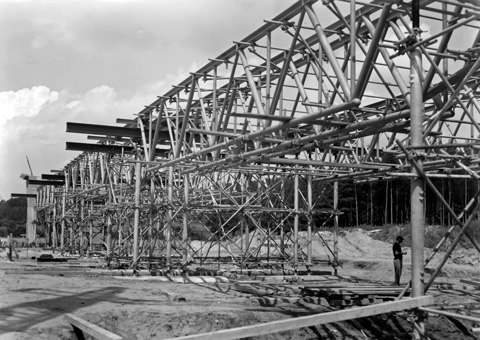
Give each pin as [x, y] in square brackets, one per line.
[106, 130]
[452, 315]
[305, 162]
[113, 131]
[230, 134]
[261, 116]
[44, 182]
[53, 177]
[81, 326]
[312, 320]
[108, 139]
[127, 121]
[113, 149]
[117, 149]
[471, 282]
[12, 195]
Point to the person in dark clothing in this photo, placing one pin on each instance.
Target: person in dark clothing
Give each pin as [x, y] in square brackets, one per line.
[398, 259]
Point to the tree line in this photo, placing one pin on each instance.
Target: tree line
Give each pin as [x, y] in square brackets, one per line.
[367, 203]
[388, 202]
[359, 203]
[13, 216]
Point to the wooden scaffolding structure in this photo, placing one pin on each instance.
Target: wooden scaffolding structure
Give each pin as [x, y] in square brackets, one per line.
[364, 96]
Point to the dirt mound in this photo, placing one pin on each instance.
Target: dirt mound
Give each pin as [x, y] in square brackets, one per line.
[351, 244]
[469, 257]
[357, 242]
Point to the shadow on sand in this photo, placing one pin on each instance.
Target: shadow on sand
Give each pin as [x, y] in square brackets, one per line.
[19, 317]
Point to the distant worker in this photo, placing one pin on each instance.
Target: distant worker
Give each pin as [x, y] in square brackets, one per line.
[398, 259]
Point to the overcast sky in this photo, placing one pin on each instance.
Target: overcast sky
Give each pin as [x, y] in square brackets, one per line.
[93, 61]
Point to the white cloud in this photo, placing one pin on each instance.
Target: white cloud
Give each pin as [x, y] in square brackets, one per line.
[33, 123]
[25, 102]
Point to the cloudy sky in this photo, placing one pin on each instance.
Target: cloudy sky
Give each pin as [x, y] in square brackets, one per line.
[93, 61]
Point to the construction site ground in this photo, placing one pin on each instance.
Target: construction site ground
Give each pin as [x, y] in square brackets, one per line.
[35, 296]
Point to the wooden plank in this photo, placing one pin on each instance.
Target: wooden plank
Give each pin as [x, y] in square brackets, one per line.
[15, 195]
[118, 149]
[44, 182]
[51, 177]
[91, 329]
[312, 320]
[453, 315]
[330, 123]
[126, 121]
[471, 282]
[260, 116]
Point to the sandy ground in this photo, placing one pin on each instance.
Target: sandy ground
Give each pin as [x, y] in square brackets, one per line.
[34, 297]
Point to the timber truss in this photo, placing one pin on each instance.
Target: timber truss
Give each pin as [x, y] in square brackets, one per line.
[228, 163]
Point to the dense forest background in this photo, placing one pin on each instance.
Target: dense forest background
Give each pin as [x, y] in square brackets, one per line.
[376, 203]
[388, 202]
[13, 217]
[360, 204]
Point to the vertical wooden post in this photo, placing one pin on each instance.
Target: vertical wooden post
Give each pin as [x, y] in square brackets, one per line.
[64, 208]
[54, 225]
[416, 184]
[335, 226]
[138, 181]
[47, 229]
[119, 211]
[353, 37]
[242, 253]
[310, 221]
[186, 186]
[214, 100]
[90, 236]
[295, 224]
[109, 234]
[152, 219]
[80, 225]
[268, 75]
[282, 232]
[109, 222]
[168, 230]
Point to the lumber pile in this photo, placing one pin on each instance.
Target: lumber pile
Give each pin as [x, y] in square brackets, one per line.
[352, 296]
[50, 258]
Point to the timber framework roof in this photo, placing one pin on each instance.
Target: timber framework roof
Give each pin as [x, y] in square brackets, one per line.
[285, 93]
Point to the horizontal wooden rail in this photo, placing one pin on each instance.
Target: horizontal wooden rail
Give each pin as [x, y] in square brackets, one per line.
[312, 320]
[80, 326]
[452, 315]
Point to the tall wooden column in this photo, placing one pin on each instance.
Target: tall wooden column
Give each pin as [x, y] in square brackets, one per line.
[417, 217]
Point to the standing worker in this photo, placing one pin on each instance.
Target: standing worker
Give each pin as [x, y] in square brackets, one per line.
[398, 259]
